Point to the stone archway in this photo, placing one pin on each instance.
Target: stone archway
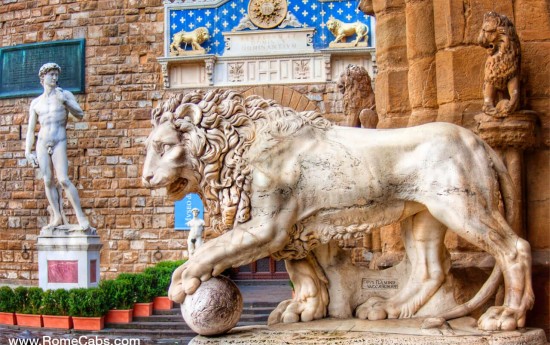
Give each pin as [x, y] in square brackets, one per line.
[285, 96]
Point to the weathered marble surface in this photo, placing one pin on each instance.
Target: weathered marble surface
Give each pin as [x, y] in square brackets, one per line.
[291, 185]
[385, 332]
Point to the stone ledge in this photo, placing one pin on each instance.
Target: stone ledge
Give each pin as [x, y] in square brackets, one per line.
[384, 332]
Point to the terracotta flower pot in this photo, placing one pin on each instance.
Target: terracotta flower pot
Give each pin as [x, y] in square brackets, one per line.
[7, 319]
[55, 321]
[29, 320]
[162, 303]
[88, 323]
[143, 309]
[119, 316]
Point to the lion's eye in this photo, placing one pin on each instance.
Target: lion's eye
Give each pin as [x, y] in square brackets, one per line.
[166, 148]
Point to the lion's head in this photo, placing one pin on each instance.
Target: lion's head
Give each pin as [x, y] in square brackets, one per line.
[201, 35]
[333, 25]
[199, 144]
[355, 84]
[497, 33]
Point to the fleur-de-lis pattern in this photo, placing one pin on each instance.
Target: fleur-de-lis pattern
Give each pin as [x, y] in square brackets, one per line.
[311, 13]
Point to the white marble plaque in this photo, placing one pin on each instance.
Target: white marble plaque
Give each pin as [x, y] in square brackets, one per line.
[272, 42]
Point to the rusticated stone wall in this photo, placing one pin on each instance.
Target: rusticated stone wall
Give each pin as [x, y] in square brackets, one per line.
[430, 68]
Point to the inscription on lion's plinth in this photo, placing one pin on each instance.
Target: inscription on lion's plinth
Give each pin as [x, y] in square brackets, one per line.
[379, 284]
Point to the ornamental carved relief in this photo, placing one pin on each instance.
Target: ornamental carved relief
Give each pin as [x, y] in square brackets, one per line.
[236, 72]
[301, 69]
[267, 14]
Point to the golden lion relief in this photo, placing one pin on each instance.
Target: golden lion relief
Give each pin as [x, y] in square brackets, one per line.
[195, 38]
[343, 30]
[502, 67]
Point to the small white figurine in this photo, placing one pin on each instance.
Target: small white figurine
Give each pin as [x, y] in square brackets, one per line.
[196, 226]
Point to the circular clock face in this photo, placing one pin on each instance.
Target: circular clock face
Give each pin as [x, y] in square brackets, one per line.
[267, 14]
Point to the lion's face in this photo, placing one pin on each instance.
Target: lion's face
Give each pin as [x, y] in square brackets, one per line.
[332, 25]
[489, 34]
[168, 163]
[202, 35]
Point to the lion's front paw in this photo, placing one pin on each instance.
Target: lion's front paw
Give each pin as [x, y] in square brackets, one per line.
[500, 318]
[489, 109]
[503, 108]
[186, 279]
[293, 310]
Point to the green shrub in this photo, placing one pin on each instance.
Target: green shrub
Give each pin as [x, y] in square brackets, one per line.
[28, 300]
[143, 284]
[163, 274]
[55, 302]
[89, 302]
[7, 300]
[120, 294]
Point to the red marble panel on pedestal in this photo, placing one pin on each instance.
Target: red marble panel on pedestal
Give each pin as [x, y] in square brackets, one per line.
[62, 271]
[93, 271]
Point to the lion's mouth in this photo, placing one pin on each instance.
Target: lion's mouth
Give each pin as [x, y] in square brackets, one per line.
[177, 187]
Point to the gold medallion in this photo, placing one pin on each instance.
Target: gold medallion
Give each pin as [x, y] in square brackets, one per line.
[267, 14]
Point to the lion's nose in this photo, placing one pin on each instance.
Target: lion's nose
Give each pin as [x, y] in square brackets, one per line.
[146, 179]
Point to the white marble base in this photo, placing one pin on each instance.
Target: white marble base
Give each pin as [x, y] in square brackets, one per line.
[68, 260]
[385, 332]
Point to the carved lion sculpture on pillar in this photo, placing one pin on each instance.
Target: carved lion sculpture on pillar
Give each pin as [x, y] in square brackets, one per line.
[359, 105]
[502, 68]
[289, 184]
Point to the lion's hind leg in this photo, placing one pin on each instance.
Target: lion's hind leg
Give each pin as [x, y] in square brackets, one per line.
[423, 236]
[487, 228]
[513, 254]
[311, 294]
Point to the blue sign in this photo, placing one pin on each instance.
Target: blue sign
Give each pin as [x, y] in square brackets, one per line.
[182, 210]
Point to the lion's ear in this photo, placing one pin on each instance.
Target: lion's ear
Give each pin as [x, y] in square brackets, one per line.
[191, 111]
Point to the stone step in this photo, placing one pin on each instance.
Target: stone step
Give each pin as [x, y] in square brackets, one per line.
[177, 313]
[176, 318]
[246, 305]
[166, 334]
[162, 323]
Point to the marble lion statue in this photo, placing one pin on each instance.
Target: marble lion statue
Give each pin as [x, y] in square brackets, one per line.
[290, 184]
[183, 38]
[502, 67]
[342, 30]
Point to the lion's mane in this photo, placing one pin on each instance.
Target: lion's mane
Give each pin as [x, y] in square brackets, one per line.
[504, 62]
[218, 142]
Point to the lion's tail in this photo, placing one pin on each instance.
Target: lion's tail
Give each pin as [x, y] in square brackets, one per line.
[489, 288]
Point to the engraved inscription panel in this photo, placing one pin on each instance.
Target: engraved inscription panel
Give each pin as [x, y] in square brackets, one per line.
[379, 284]
[19, 66]
[62, 271]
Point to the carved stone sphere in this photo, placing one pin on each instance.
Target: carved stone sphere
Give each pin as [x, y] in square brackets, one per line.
[214, 308]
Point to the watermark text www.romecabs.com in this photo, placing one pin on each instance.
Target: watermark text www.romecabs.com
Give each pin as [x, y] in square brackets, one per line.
[81, 340]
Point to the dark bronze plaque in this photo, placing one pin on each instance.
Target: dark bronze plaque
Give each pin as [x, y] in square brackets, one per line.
[19, 66]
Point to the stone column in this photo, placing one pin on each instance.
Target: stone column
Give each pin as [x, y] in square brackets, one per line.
[421, 60]
[392, 96]
[510, 136]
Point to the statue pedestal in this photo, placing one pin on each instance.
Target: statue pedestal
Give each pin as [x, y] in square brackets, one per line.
[509, 137]
[355, 331]
[68, 259]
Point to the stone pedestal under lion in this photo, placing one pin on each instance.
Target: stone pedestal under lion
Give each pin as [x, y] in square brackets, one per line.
[290, 185]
